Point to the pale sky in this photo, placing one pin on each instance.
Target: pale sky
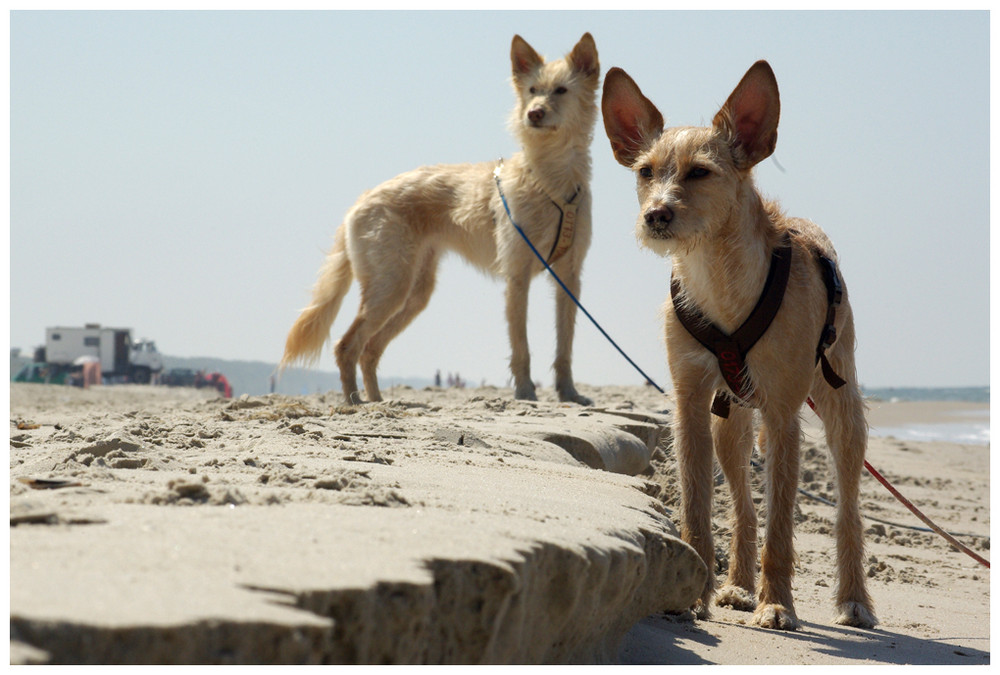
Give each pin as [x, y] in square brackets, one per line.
[183, 173]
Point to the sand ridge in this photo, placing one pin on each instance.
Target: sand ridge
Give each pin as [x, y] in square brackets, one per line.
[426, 529]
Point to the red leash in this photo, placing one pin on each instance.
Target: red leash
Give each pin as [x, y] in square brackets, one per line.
[906, 502]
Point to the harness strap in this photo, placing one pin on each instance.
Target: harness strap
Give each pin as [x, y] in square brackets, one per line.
[834, 296]
[731, 350]
[567, 216]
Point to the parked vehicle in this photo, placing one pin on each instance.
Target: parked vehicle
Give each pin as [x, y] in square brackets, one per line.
[43, 373]
[118, 355]
[178, 377]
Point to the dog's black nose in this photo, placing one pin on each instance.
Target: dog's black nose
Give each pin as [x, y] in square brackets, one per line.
[535, 115]
[658, 217]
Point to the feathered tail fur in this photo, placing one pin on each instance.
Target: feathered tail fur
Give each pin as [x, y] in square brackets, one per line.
[312, 329]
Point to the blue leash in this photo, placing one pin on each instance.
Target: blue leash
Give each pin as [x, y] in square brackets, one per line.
[503, 198]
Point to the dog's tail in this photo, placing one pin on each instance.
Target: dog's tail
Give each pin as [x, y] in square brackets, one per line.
[312, 329]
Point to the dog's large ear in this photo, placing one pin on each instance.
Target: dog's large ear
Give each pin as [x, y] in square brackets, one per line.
[584, 57]
[630, 119]
[523, 59]
[750, 116]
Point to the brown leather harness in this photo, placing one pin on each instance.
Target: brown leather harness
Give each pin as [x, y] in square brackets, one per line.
[731, 350]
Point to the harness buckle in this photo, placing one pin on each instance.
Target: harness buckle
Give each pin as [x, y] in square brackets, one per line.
[829, 337]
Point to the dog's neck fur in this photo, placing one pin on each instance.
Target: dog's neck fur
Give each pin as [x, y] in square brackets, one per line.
[563, 167]
[723, 274]
[558, 160]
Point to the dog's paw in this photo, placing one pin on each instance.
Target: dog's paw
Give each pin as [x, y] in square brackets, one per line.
[775, 616]
[681, 616]
[573, 397]
[855, 614]
[526, 393]
[736, 597]
[701, 610]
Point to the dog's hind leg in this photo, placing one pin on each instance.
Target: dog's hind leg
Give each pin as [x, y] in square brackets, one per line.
[733, 445]
[775, 607]
[416, 301]
[843, 413]
[517, 328]
[382, 296]
[565, 328]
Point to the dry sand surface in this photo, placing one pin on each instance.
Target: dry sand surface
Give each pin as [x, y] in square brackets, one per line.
[154, 525]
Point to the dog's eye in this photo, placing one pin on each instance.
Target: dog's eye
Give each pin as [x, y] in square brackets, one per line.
[532, 90]
[698, 172]
[646, 172]
[560, 90]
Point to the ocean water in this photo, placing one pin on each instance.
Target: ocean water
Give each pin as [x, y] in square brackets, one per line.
[968, 394]
[971, 428]
[968, 426]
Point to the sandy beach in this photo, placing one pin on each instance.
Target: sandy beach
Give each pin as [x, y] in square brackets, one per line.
[156, 525]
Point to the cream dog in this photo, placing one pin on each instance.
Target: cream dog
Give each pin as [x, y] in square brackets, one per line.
[393, 237]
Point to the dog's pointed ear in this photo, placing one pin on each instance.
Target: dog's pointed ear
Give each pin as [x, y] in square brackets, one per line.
[523, 59]
[584, 57]
[631, 120]
[750, 116]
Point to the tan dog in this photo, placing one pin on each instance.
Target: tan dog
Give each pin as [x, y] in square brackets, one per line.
[698, 204]
[393, 237]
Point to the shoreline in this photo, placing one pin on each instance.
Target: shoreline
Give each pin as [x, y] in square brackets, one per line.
[964, 422]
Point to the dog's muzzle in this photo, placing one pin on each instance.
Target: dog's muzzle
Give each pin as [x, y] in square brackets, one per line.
[539, 118]
[658, 221]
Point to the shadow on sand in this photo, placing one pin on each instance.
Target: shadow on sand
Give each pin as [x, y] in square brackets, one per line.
[669, 640]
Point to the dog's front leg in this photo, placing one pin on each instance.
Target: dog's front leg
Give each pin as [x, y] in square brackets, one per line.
[517, 328]
[693, 444]
[775, 608]
[733, 446]
[565, 329]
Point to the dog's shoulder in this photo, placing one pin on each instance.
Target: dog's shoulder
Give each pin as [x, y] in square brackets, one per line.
[809, 236]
